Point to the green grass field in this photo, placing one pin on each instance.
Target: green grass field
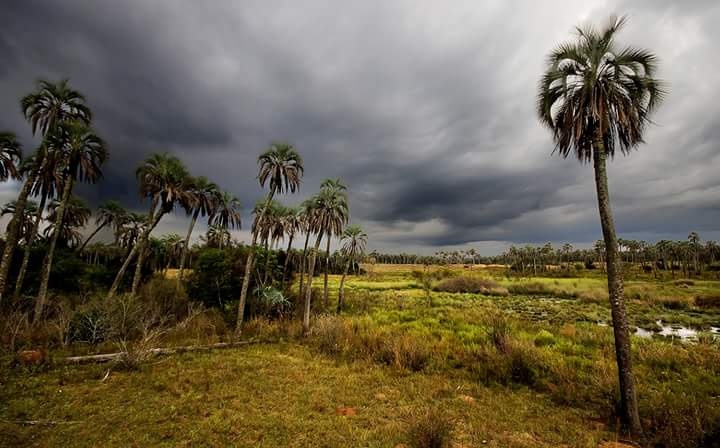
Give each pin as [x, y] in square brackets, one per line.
[509, 369]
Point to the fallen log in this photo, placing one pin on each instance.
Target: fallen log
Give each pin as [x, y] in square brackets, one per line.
[107, 357]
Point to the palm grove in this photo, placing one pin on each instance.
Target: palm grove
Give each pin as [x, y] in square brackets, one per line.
[71, 152]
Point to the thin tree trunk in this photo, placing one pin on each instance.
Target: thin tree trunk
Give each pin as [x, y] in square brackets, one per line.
[13, 231]
[47, 261]
[308, 288]
[267, 261]
[303, 263]
[142, 249]
[92, 235]
[341, 292]
[628, 396]
[249, 265]
[133, 251]
[287, 258]
[326, 300]
[185, 246]
[28, 247]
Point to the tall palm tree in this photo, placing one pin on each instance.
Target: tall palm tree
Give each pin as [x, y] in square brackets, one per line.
[109, 214]
[77, 214]
[331, 214]
[164, 179]
[50, 105]
[82, 154]
[354, 241]
[281, 168]
[338, 187]
[596, 97]
[45, 166]
[227, 214]
[203, 199]
[10, 157]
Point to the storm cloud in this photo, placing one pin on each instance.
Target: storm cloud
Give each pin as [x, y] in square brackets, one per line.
[425, 109]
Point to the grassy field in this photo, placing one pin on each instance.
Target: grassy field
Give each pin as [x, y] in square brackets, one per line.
[525, 363]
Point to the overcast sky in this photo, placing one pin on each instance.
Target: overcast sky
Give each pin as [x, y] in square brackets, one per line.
[425, 109]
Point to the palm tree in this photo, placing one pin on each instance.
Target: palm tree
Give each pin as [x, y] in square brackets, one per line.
[50, 105]
[353, 248]
[110, 214]
[596, 97]
[281, 168]
[130, 230]
[227, 215]
[217, 237]
[26, 224]
[77, 214]
[338, 187]
[164, 179]
[82, 154]
[44, 166]
[203, 199]
[10, 156]
[330, 215]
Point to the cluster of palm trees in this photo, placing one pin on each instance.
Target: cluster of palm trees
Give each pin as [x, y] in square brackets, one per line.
[323, 215]
[71, 152]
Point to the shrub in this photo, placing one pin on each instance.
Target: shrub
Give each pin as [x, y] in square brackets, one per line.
[473, 285]
[707, 301]
[530, 289]
[430, 429]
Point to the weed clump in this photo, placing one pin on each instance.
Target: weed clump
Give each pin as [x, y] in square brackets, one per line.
[430, 429]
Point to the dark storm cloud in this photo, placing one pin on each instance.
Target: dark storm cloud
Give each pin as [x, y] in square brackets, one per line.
[425, 109]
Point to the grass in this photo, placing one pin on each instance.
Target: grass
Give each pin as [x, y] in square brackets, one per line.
[274, 395]
[529, 367]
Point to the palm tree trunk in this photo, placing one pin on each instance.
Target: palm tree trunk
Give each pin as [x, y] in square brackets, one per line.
[47, 261]
[308, 288]
[92, 235]
[326, 300]
[287, 258]
[628, 396]
[303, 263]
[28, 246]
[142, 249]
[267, 262]
[13, 231]
[341, 292]
[185, 246]
[249, 265]
[134, 251]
